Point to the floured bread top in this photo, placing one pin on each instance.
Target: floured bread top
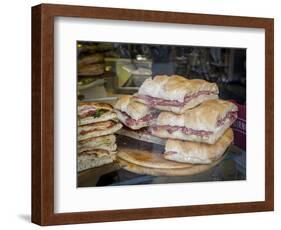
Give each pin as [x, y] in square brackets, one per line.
[134, 109]
[174, 87]
[203, 117]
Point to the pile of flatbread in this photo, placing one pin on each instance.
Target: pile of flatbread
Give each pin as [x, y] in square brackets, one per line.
[97, 124]
[184, 114]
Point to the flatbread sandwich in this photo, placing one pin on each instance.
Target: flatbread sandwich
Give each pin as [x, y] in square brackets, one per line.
[133, 114]
[204, 123]
[94, 158]
[197, 153]
[103, 142]
[91, 112]
[175, 93]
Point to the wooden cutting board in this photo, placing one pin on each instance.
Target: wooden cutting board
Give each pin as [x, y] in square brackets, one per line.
[148, 162]
[149, 159]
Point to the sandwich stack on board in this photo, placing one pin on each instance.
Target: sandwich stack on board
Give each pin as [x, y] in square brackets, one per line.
[96, 143]
[190, 117]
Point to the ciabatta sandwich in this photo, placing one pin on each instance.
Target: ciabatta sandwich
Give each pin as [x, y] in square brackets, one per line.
[133, 114]
[175, 93]
[103, 142]
[92, 112]
[197, 153]
[204, 123]
[98, 129]
[94, 158]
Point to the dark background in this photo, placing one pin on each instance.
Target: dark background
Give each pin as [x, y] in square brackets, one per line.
[225, 66]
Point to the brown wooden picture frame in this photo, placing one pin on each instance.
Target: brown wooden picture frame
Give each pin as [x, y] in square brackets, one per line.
[43, 113]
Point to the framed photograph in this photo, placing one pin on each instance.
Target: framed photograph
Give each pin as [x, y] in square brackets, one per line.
[146, 114]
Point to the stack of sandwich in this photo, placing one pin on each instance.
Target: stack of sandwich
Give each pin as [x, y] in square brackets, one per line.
[137, 118]
[91, 65]
[192, 120]
[96, 143]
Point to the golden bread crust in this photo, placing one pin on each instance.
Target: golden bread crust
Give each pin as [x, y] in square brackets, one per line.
[202, 117]
[96, 105]
[197, 153]
[174, 87]
[133, 108]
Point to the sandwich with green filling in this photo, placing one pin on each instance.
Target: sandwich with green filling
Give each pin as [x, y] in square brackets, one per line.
[92, 112]
[96, 143]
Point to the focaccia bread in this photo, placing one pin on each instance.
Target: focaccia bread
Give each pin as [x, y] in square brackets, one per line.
[94, 158]
[103, 142]
[175, 93]
[204, 123]
[104, 117]
[92, 112]
[197, 153]
[97, 129]
[133, 114]
[91, 70]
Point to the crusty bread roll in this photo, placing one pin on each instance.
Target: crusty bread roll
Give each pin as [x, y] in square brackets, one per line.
[204, 123]
[134, 109]
[133, 114]
[197, 153]
[175, 93]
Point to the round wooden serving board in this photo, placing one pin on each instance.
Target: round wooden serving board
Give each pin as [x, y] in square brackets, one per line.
[147, 162]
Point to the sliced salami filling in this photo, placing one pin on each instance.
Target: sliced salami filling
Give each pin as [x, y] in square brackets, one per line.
[96, 127]
[202, 133]
[159, 101]
[187, 131]
[232, 116]
[87, 113]
[149, 117]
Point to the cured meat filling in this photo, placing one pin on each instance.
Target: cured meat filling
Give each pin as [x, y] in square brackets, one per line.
[86, 112]
[97, 127]
[149, 117]
[202, 133]
[187, 131]
[232, 116]
[159, 101]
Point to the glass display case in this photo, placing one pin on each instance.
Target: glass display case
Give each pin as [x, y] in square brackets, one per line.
[106, 71]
